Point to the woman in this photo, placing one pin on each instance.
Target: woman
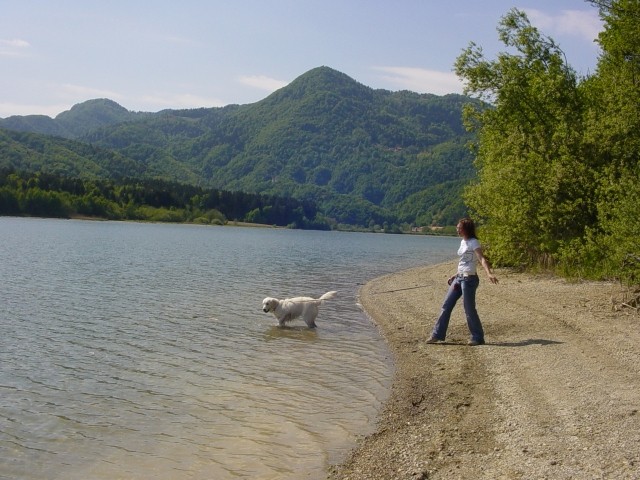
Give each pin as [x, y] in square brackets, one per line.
[464, 284]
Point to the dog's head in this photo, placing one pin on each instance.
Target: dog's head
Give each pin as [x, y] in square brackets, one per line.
[269, 304]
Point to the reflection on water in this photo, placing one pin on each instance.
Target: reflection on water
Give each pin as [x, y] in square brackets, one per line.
[299, 332]
[141, 351]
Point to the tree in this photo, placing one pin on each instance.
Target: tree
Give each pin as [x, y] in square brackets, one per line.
[613, 132]
[533, 194]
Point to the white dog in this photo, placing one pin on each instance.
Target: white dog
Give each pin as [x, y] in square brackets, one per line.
[290, 308]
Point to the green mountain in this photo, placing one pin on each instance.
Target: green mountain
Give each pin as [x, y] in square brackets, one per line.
[361, 154]
[79, 120]
[90, 115]
[34, 152]
[33, 123]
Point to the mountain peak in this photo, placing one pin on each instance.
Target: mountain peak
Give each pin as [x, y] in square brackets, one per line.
[102, 105]
[86, 116]
[321, 80]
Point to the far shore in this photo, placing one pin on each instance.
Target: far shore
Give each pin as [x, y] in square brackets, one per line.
[431, 231]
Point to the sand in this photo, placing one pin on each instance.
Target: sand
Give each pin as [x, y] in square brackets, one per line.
[555, 392]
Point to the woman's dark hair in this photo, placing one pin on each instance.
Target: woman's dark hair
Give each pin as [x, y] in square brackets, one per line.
[468, 227]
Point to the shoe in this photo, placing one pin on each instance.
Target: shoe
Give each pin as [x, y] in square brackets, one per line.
[475, 343]
[433, 340]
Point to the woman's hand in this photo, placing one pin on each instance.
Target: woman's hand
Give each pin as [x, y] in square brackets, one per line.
[485, 264]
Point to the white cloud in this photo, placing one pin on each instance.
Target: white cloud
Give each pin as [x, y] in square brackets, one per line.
[262, 82]
[581, 23]
[16, 43]
[159, 101]
[67, 95]
[10, 109]
[88, 93]
[13, 48]
[77, 94]
[150, 102]
[421, 80]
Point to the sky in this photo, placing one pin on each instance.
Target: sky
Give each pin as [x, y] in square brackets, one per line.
[156, 54]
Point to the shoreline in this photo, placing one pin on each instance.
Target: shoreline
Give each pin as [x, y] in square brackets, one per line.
[553, 394]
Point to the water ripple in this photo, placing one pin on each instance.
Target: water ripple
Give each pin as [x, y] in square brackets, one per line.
[140, 351]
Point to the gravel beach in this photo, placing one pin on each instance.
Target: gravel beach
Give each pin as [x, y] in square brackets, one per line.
[554, 394]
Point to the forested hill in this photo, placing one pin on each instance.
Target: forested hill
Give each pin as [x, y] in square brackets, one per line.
[357, 152]
[79, 120]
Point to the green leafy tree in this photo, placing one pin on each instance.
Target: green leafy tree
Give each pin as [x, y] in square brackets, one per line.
[533, 192]
[613, 132]
[49, 195]
[9, 203]
[45, 203]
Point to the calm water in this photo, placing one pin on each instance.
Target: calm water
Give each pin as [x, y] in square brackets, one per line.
[139, 351]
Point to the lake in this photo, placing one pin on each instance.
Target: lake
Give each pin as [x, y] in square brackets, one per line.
[140, 351]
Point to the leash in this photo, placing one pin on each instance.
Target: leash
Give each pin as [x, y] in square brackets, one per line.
[401, 289]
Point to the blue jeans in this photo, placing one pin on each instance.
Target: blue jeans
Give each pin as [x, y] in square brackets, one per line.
[465, 288]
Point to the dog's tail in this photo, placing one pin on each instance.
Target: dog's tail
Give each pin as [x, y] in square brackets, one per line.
[328, 295]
